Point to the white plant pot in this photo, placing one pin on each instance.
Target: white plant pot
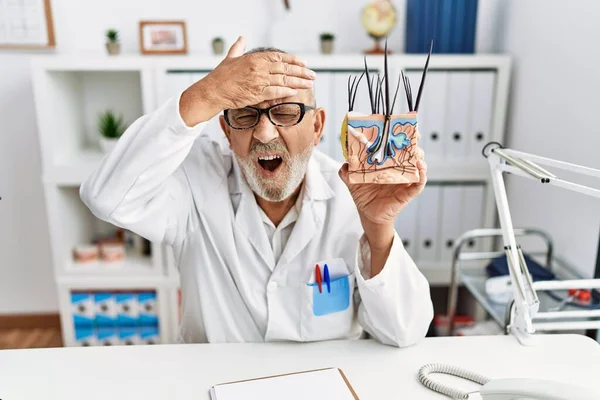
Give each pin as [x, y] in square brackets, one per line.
[326, 46]
[113, 48]
[218, 47]
[108, 144]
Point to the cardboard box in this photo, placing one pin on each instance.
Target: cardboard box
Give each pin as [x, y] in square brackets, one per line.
[82, 309]
[106, 309]
[127, 309]
[148, 308]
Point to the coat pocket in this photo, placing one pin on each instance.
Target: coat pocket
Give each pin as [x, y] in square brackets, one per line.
[332, 299]
[329, 314]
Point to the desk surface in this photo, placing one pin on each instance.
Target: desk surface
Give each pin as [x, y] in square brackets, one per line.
[178, 372]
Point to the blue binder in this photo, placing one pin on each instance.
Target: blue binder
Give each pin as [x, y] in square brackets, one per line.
[450, 23]
[412, 24]
[470, 32]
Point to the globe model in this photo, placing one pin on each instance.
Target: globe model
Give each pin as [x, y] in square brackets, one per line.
[379, 18]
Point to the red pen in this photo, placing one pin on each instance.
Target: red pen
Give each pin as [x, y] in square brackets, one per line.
[318, 278]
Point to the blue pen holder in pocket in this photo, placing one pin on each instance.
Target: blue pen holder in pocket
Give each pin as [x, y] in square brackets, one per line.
[338, 299]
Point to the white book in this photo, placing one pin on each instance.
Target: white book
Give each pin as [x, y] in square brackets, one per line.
[429, 211]
[482, 105]
[322, 87]
[325, 384]
[457, 116]
[432, 111]
[472, 213]
[451, 218]
[406, 226]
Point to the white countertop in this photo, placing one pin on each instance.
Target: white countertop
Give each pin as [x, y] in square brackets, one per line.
[377, 372]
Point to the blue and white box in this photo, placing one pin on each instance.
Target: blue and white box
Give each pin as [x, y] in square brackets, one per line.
[129, 335]
[85, 336]
[149, 335]
[106, 309]
[107, 336]
[148, 309]
[82, 308]
[127, 309]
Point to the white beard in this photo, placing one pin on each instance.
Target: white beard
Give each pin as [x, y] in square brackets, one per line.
[294, 170]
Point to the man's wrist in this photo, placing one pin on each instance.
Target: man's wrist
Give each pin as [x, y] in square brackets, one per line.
[198, 103]
[379, 236]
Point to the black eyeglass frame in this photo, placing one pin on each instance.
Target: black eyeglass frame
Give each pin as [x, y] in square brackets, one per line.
[303, 109]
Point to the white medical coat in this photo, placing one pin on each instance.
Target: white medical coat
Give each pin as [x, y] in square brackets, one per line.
[168, 183]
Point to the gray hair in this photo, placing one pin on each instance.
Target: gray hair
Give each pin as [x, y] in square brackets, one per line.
[311, 92]
[265, 50]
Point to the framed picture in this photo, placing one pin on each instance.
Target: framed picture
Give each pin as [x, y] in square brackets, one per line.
[26, 25]
[163, 37]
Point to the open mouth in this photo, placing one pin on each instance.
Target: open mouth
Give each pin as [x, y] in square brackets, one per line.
[270, 163]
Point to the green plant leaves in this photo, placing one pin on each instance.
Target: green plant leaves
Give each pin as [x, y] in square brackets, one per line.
[110, 125]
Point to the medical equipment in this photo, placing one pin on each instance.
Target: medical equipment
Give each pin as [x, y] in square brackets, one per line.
[524, 316]
[381, 147]
[503, 389]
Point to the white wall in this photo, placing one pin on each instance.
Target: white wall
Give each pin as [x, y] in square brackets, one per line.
[26, 283]
[554, 112]
[25, 272]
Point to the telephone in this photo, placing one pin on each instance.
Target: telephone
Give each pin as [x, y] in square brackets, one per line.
[504, 389]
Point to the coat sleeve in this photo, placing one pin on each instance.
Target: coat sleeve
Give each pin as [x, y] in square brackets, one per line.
[139, 185]
[395, 306]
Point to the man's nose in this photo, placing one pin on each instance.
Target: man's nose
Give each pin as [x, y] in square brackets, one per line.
[265, 131]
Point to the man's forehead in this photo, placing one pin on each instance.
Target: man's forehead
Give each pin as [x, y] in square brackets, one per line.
[303, 96]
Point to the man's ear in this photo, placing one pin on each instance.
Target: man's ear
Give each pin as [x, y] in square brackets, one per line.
[318, 125]
[226, 129]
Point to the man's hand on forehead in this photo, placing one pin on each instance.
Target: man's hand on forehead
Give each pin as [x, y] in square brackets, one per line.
[242, 79]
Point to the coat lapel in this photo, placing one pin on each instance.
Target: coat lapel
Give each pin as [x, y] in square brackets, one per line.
[312, 214]
[248, 220]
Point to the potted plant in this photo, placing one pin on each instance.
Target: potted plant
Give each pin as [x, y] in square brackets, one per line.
[218, 45]
[327, 42]
[111, 128]
[112, 42]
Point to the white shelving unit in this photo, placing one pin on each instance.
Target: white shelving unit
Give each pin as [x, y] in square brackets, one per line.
[71, 90]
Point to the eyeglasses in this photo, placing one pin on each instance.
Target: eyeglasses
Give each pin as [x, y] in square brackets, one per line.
[283, 114]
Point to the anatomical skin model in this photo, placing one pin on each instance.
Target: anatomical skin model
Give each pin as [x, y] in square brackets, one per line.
[381, 147]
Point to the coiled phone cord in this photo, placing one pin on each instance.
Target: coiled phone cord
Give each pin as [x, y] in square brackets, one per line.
[426, 380]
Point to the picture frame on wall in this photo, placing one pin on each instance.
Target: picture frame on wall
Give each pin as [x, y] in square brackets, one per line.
[26, 25]
[163, 37]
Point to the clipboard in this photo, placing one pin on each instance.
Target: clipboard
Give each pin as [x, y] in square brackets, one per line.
[262, 390]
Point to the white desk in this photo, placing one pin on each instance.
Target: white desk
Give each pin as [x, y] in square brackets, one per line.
[377, 372]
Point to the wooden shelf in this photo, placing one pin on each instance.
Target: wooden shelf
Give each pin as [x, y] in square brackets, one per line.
[117, 282]
[205, 61]
[132, 265]
[459, 171]
[76, 168]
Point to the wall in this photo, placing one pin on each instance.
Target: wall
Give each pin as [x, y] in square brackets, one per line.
[554, 113]
[25, 272]
[26, 283]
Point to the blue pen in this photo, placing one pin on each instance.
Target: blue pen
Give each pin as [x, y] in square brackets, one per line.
[327, 280]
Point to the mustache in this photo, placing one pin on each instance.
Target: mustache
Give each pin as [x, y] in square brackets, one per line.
[275, 146]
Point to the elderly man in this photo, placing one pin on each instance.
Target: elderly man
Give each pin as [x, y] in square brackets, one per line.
[271, 241]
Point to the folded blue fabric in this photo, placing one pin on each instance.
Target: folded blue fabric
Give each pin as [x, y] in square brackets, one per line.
[499, 267]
